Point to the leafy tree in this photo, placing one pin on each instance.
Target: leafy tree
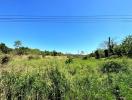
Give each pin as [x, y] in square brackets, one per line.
[22, 50]
[97, 56]
[4, 48]
[35, 51]
[54, 53]
[106, 53]
[130, 53]
[17, 44]
[101, 53]
[91, 54]
[82, 53]
[45, 53]
[117, 50]
[127, 45]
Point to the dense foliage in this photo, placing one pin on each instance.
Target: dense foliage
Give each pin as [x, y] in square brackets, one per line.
[112, 49]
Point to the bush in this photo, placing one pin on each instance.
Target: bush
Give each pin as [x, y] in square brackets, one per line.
[130, 53]
[59, 85]
[33, 57]
[106, 53]
[85, 58]
[111, 66]
[97, 56]
[30, 57]
[113, 57]
[118, 51]
[69, 60]
[4, 49]
[117, 93]
[4, 60]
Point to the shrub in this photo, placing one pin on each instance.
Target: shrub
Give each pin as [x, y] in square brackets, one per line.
[54, 53]
[118, 50]
[4, 48]
[30, 57]
[59, 85]
[97, 56]
[85, 58]
[33, 57]
[69, 60]
[130, 53]
[106, 53]
[117, 93]
[4, 60]
[72, 71]
[113, 57]
[112, 66]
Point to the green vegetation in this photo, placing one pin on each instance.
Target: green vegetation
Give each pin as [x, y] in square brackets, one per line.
[31, 74]
[113, 49]
[50, 78]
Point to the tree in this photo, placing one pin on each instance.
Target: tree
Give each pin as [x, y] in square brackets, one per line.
[101, 53]
[97, 56]
[4, 48]
[91, 54]
[109, 46]
[22, 50]
[17, 44]
[35, 51]
[127, 45]
[82, 53]
[106, 53]
[117, 50]
[54, 53]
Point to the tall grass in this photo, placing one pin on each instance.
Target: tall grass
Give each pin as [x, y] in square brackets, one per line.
[53, 79]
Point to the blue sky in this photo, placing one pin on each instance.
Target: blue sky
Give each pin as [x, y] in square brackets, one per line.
[65, 37]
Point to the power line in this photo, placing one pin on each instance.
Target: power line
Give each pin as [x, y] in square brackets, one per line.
[66, 19]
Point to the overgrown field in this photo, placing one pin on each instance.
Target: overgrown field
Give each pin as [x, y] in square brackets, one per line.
[52, 78]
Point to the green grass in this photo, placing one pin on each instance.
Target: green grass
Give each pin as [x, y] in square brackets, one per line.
[51, 78]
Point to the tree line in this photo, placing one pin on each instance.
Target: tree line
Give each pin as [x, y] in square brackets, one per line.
[21, 50]
[113, 49]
